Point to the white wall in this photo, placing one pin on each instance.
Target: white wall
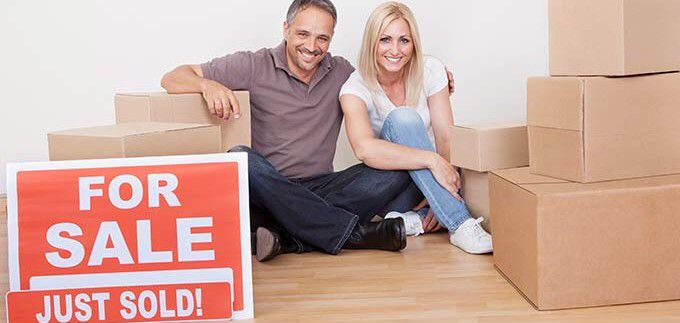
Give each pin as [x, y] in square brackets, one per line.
[62, 61]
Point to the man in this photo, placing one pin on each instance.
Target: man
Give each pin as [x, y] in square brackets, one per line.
[297, 203]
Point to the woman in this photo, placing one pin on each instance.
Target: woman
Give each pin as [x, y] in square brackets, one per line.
[397, 110]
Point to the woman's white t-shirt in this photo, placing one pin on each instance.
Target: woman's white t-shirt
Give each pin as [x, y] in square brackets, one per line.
[379, 106]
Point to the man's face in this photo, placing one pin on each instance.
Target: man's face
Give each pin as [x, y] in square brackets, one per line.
[308, 38]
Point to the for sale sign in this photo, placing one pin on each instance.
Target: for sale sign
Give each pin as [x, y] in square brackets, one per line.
[129, 240]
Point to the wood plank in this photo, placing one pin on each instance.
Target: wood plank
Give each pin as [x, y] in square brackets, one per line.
[429, 281]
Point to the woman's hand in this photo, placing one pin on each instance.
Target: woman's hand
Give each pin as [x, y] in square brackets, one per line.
[445, 175]
[430, 222]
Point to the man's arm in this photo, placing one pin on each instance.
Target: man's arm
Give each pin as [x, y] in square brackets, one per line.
[183, 79]
[452, 82]
[221, 101]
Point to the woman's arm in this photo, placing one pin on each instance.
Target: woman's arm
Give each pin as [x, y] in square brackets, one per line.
[378, 153]
[382, 154]
[442, 119]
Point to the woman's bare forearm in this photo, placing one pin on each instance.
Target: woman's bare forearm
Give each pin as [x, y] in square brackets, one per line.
[382, 154]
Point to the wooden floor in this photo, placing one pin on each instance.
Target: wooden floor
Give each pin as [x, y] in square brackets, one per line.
[429, 281]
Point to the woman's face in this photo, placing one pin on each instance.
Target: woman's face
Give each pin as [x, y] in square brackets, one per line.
[395, 46]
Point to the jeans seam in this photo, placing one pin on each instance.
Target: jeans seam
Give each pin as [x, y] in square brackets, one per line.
[348, 231]
[345, 236]
[300, 247]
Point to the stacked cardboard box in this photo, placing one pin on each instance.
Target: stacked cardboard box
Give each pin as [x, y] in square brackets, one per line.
[592, 221]
[184, 108]
[480, 148]
[135, 139]
[155, 124]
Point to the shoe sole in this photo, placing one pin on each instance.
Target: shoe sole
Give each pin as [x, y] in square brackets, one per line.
[265, 245]
[473, 252]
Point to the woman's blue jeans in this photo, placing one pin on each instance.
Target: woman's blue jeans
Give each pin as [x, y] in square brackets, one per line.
[404, 126]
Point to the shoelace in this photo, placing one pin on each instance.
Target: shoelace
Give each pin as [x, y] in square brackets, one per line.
[477, 227]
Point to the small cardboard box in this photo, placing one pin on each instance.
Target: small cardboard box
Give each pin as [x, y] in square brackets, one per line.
[184, 108]
[589, 129]
[135, 139]
[475, 192]
[486, 147]
[613, 37]
[567, 245]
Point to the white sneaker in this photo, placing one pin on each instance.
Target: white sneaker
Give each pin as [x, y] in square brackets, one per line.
[412, 222]
[471, 237]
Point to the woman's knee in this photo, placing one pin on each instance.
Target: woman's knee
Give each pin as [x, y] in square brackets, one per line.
[405, 117]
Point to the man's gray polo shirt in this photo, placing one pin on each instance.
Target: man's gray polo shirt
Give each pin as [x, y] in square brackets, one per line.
[294, 125]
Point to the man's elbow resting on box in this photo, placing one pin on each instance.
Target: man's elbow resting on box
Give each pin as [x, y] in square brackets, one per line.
[183, 79]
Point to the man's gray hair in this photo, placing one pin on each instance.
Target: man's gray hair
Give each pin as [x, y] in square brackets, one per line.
[299, 5]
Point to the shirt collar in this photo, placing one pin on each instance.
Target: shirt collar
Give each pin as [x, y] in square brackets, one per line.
[280, 60]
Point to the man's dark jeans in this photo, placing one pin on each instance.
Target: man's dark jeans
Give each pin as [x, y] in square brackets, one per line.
[320, 212]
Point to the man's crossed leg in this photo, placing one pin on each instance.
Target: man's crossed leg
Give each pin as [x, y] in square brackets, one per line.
[325, 212]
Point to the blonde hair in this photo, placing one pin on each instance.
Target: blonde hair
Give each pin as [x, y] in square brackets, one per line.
[381, 17]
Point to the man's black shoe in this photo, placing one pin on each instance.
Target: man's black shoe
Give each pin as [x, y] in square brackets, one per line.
[389, 234]
[270, 244]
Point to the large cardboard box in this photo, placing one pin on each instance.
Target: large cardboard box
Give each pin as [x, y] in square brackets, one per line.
[614, 37]
[184, 108]
[135, 139]
[485, 147]
[596, 129]
[566, 245]
[475, 191]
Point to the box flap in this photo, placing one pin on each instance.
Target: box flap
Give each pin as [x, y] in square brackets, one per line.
[522, 176]
[142, 94]
[543, 185]
[555, 102]
[128, 129]
[491, 125]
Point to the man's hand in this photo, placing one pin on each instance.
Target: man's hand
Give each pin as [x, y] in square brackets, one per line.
[445, 175]
[430, 223]
[452, 82]
[221, 100]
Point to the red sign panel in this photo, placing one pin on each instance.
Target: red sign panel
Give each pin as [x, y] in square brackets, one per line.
[131, 222]
[153, 303]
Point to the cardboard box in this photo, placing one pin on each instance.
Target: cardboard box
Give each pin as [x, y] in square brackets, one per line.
[486, 147]
[475, 192]
[184, 108]
[597, 129]
[136, 139]
[566, 245]
[613, 37]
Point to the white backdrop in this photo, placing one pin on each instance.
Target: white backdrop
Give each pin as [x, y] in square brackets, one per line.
[62, 61]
